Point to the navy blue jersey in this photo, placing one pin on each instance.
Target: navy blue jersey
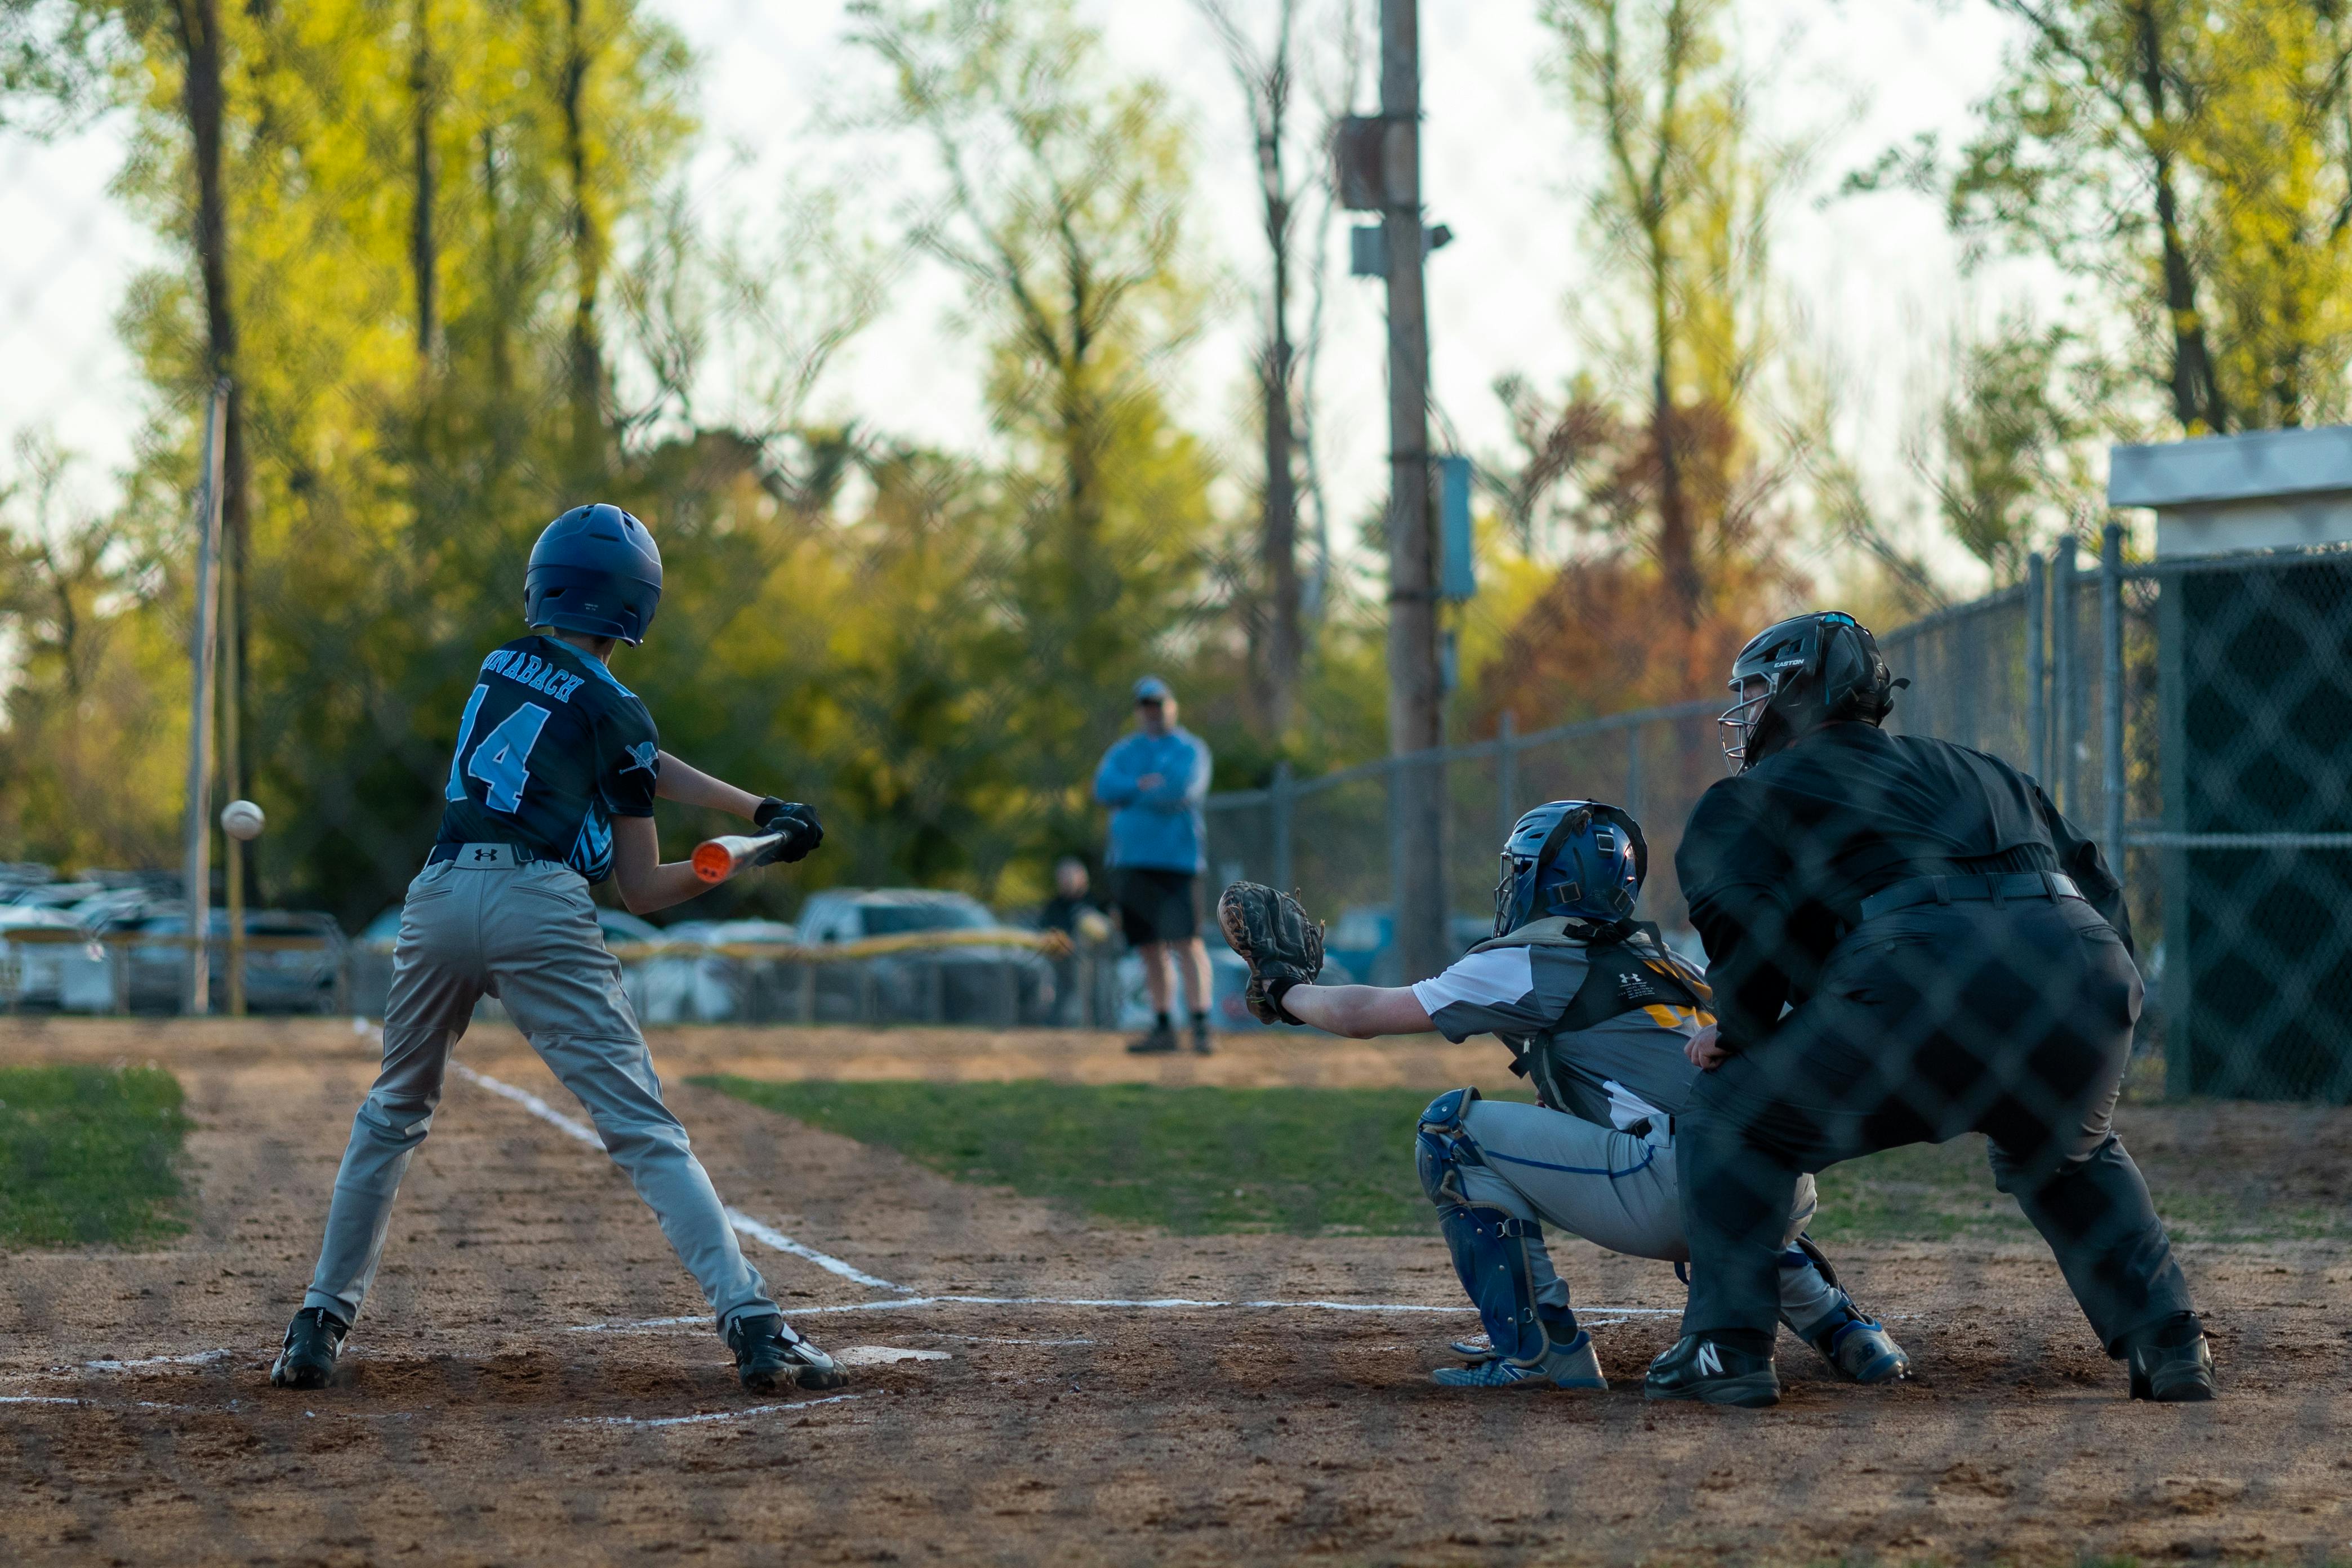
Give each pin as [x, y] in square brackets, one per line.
[551, 749]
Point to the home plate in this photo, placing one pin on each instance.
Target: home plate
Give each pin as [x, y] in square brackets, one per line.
[883, 1356]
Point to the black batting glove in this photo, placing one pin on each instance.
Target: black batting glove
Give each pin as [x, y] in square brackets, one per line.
[801, 832]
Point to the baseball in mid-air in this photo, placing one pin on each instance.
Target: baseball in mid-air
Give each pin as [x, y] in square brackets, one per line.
[241, 819]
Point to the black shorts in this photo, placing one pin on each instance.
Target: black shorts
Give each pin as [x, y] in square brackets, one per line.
[1154, 905]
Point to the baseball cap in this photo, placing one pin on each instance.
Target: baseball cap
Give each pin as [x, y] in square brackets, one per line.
[1151, 688]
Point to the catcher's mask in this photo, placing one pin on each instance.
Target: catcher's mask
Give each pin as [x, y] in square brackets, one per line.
[1798, 674]
[1578, 859]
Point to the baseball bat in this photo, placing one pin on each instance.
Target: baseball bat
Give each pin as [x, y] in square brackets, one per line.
[716, 859]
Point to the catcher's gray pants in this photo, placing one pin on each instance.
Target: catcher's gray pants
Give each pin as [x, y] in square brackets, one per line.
[526, 934]
[1612, 1188]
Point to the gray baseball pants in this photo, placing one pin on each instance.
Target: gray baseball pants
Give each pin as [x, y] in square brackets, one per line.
[527, 934]
[1612, 1188]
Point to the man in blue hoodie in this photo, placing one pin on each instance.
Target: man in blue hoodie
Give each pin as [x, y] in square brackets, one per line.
[1154, 781]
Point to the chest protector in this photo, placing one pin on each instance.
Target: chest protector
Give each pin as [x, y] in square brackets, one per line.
[1620, 977]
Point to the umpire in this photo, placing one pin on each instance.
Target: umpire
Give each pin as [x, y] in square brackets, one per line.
[1952, 956]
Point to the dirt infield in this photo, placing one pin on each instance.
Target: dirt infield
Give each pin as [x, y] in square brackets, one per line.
[512, 1395]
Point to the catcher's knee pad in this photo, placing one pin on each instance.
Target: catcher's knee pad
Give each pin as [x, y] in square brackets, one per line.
[1441, 1146]
[1490, 1256]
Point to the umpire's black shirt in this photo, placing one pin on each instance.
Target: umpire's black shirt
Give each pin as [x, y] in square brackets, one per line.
[1775, 861]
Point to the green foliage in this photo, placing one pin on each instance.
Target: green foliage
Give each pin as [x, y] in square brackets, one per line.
[95, 718]
[2193, 159]
[89, 1155]
[2018, 439]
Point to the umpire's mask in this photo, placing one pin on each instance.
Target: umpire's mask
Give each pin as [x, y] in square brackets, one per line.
[1798, 674]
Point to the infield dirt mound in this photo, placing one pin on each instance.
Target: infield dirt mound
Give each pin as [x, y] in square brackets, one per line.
[477, 1424]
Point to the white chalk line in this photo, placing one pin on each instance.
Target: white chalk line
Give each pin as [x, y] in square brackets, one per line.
[1165, 1303]
[708, 1415]
[765, 1235]
[884, 1355]
[238, 1408]
[201, 1358]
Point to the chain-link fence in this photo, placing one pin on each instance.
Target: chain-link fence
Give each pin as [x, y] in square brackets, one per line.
[2191, 717]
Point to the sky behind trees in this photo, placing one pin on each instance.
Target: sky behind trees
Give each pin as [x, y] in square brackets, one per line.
[1876, 278]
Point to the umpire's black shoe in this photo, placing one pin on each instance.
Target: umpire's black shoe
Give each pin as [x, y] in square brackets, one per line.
[769, 1354]
[2180, 1372]
[307, 1360]
[1713, 1372]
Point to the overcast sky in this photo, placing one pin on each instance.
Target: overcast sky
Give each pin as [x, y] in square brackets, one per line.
[1873, 283]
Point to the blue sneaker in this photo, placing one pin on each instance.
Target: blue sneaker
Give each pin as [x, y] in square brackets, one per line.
[1865, 1352]
[1572, 1366]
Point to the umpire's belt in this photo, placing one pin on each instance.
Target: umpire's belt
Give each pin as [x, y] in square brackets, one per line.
[1994, 888]
[482, 856]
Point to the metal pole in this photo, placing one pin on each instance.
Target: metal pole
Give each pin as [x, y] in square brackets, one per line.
[1278, 803]
[2037, 670]
[2111, 690]
[1506, 778]
[195, 872]
[2061, 785]
[1633, 770]
[232, 786]
[1415, 681]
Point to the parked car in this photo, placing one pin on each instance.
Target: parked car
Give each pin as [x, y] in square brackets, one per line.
[981, 983]
[60, 975]
[277, 980]
[708, 987]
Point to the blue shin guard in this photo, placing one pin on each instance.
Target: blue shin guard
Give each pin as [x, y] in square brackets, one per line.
[1494, 1254]
[1532, 1343]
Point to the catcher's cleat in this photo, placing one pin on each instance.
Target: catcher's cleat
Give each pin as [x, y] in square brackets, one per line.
[307, 1360]
[1711, 1372]
[768, 1354]
[1480, 1349]
[2173, 1374]
[1158, 1042]
[1571, 1365]
[1864, 1351]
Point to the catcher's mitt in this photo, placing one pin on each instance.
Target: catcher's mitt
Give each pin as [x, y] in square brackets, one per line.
[1282, 947]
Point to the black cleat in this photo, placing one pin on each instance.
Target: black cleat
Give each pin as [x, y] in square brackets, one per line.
[2173, 1374]
[1158, 1042]
[769, 1354]
[307, 1360]
[1714, 1374]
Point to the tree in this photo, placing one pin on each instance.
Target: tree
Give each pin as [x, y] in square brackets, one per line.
[1682, 205]
[95, 718]
[2013, 461]
[1268, 76]
[1060, 198]
[2192, 158]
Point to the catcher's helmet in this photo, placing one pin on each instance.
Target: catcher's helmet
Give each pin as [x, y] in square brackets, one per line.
[594, 570]
[1800, 673]
[1573, 858]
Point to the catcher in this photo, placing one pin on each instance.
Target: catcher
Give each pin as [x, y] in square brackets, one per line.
[1600, 1017]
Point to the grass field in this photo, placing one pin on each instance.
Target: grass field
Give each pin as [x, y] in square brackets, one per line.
[1306, 1162]
[90, 1154]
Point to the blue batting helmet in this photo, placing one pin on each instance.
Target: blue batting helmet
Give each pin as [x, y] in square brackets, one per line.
[595, 570]
[1574, 857]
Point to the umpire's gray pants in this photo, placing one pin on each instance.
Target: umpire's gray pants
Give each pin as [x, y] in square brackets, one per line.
[1612, 1188]
[526, 935]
